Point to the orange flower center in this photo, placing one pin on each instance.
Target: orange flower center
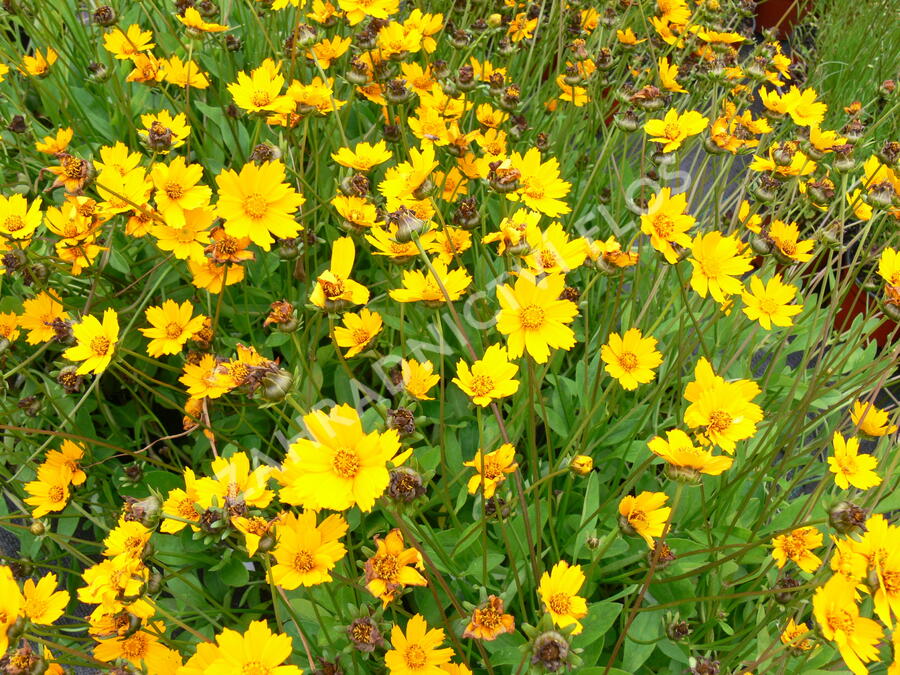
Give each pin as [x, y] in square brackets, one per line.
[35, 607]
[13, 223]
[303, 562]
[891, 581]
[488, 618]
[72, 167]
[332, 289]
[672, 131]
[174, 190]
[255, 668]
[133, 545]
[548, 259]
[100, 346]
[789, 248]
[628, 361]
[415, 657]
[719, 421]
[186, 509]
[135, 647]
[256, 206]
[531, 317]
[481, 385]
[345, 463]
[560, 603]
[260, 98]
[492, 469]
[173, 330]
[663, 225]
[360, 336]
[56, 494]
[386, 567]
[841, 620]
[768, 306]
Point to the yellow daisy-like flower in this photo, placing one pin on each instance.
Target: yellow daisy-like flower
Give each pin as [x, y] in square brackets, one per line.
[851, 468]
[12, 602]
[724, 410]
[325, 52]
[803, 107]
[392, 567]
[258, 203]
[235, 484]
[358, 213]
[674, 129]
[837, 614]
[358, 10]
[491, 469]
[553, 251]
[786, 238]
[141, 648]
[717, 261]
[644, 515]
[206, 379]
[171, 326]
[53, 145]
[184, 74]
[534, 318]
[358, 331]
[9, 327]
[18, 219]
[416, 652]
[65, 461]
[797, 546]
[189, 241]
[418, 378]
[334, 288]
[38, 65]
[558, 590]
[631, 358]
[306, 553]
[889, 266]
[489, 621]
[127, 540]
[126, 44]
[260, 91]
[870, 420]
[49, 493]
[258, 651]
[96, 342]
[340, 466]
[178, 190]
[667, 75]
[421, 286]
[685, 460]
[183, 504]
[193, 20]
[794, 634]
[667, 223]
[163, 127]
[490, 378]
[540, 186]
[769, 303]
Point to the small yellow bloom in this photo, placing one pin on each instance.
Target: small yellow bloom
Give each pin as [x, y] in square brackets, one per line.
[851, 468]
[797, 545]
[644, 515]
[631, 358]
[364, 156]
[718, 262]
[178, 189]
[558, 590]
[392, 567]
[769, 303]
[837, 615]
[334, 289]
[685, 459]
[421, 286]
[418, 378]
[870, 420]
[416, 650]
[124, 45]
[96, 342]
[358, 331]
[667, 223]
[306, 553]
[667, 75]
[491, 377]
[171, 326]
[491, 469]
[193, 20]
[674, 129]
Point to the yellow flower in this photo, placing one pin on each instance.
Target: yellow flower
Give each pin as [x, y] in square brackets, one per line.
[49, 493]
[141, 648]
[181, 503]
[306, 553]
[407, 179]
[421, 286]
[206, 379]
[553, 251]
[558, 590]
[797, 545]
[162, 125]
[667, 75]
[358, 331]
[724, 409]
[184, 73]
[540, 187]
[491, 469]
[717, 260]
[11, 602]
[38, 65]
[253, 529]
[447, 243]
[644, 515]
[172, 326]
[212, 276]
[259, 650]
[488, 621]
[325, 52]
[418, 378]
[851, 468]
[803, 107]
[837, 614]
[235, 485]
[667, 223]
[631, 358]
[177, 190]
[357, 10]
[627, 37]
[193, 20]
[358, 213]
[18, 220]
[258, 203]
[491, 377]
[685, 460]
[870, 420]
[340, 466]
[364, 156]
[801, 164]
[533, 316]
[384, 241]
[674, 129]
[521, 27]
[147, 68]
[389, 569]
[769, 303]
[52, 145]
[96, 342]
[9, 326]
[395, 41]
[785, 236]
[609, 254]
[131, 42]
[65, 461]
[260, 92]
[416, 651]
[793, 636]
[334, 289]
[889, 266]
[189, 241]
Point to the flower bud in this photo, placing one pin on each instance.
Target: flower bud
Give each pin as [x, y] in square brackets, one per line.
[495, 20]
[17, 124]
[364, 635]
[159, 138]
[551, 650]
[276, 385]
[846, 517]
[786, 588]
[405, 485]
[407, 224]
[146, 511]
[581, 465]
[233, 43]
[104, 16]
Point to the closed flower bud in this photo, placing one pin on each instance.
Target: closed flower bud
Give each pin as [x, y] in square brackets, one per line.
[145, 511]
[551, 651]
[276, 385]
[364, 635]
[846, 517]
[581, 465]
[17, 124]
[36, 528]
[407, 224]
[495, 20]
[785, 588]
[233, 43]
[760, 244]
[104, 16]
[627, 121]
[155, 582]
[391, 133]
[405, 485]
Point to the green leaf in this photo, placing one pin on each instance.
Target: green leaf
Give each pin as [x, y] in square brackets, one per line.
[234, 573]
